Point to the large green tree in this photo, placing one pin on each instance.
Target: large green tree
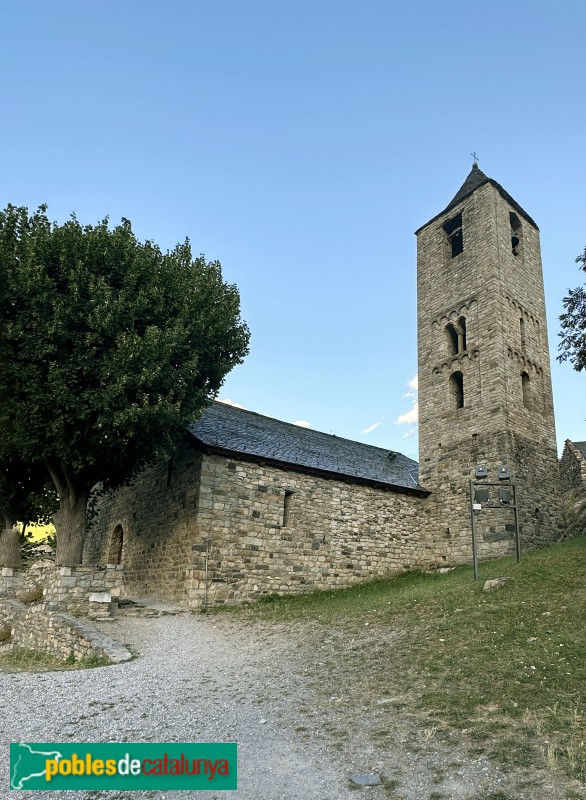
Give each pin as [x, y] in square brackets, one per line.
[109, 348]
[573, 324]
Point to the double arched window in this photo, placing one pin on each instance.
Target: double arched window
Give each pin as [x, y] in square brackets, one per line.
[456, 335]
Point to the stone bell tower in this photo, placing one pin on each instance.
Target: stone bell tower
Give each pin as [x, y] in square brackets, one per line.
[484, 375]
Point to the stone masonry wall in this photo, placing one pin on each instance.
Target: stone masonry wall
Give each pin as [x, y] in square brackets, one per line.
[507, 411]
[157, 518]
[84, 591]
[449, 505]
[265, 530]
[61, 635]
[42, 604]
[572, 468]
[227, 531]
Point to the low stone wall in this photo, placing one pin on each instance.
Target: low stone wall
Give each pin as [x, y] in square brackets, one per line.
[83, 591]
[63, 636]
[42, 603]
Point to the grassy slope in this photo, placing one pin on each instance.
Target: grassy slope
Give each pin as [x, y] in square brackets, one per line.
[506, 667]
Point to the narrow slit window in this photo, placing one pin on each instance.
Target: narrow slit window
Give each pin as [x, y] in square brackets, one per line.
[287, 507]
[516, 233]
[457, 389]
[522, 331]
[453, 230]
[526, 387]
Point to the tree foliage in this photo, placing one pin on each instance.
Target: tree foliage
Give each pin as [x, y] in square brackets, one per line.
[109, 348]
[26, 495]
[573, 324]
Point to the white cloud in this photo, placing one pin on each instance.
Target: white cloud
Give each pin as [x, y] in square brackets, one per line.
[411, 417]
[303, 423]
[229, 402]
[372, 427]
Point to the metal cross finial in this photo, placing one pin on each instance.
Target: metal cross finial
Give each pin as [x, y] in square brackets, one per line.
[475, 157]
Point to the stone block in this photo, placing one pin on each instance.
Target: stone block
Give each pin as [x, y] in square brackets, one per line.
[100, 597]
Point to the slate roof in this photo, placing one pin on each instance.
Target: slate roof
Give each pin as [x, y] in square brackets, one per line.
[474, 181]
[233, 431]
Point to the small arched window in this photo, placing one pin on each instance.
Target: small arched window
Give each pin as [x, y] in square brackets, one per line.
[115, 547]
[457, 389]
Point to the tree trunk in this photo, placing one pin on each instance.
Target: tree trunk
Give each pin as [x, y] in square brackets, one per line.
[70, 520]
[70, 526]
[10, 548]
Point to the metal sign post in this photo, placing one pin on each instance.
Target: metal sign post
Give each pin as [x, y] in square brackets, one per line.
[476, 507]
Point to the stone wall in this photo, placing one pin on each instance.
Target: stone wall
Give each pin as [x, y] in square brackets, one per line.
[156, 517]
[572, 468]
[85, 591]
[537, 498]
[504, 414]
[265, 530]
[42, 603]
[228, 531]
[34, 627]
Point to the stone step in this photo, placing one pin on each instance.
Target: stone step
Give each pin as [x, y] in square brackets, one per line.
[127, 607]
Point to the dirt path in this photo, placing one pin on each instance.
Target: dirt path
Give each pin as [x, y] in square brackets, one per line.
[222, 678]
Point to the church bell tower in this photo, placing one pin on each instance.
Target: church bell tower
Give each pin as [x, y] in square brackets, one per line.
[484, 375]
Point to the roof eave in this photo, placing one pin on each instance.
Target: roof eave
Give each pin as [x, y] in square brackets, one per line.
[293, 467]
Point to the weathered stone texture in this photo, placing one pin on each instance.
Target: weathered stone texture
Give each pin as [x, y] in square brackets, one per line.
[507, 411]
[156, 515]
[572, 468]
[44, 624]
[234, 541]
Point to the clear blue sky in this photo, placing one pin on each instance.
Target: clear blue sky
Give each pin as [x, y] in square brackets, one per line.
[301, 144]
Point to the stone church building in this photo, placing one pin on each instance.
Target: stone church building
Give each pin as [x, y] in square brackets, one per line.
[250, 506]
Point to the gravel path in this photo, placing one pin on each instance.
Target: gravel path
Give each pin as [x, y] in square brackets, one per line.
[220, 679]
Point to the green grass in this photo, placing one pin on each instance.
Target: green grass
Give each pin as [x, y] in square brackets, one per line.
[506, 668]
[24, 660]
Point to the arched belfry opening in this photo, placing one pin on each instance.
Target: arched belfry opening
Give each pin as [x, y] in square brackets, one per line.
[453, 236]
[115, 547]
[516, 234]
